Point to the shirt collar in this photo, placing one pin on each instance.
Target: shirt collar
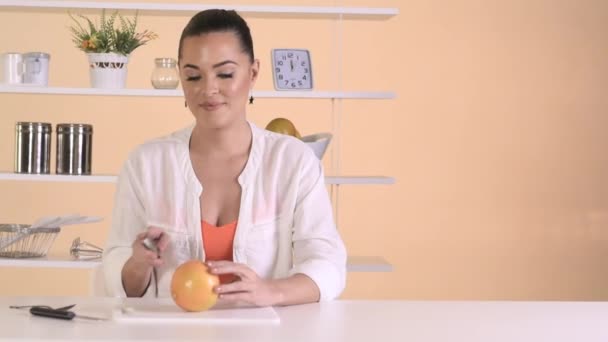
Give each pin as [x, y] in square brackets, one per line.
[252, 165]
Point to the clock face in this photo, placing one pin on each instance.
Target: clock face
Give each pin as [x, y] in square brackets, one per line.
[291, 69]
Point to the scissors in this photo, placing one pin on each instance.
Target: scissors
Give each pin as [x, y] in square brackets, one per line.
[59, 313]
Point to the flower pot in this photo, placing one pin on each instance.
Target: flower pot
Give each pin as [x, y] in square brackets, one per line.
[108, 70]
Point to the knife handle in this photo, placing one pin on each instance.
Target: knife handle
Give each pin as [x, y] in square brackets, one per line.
[150, 245]
[45, 312]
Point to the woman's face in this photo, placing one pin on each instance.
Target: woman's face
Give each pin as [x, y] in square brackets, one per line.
[216, 76]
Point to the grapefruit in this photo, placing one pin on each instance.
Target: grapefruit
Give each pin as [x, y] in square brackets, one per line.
[283, 126]
[192, 286]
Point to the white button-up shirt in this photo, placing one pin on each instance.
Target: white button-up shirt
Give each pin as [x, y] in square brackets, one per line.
[285, 223]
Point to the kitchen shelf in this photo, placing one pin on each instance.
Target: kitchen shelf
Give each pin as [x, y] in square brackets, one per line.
[57, 178]
[334, 180]
[355, 263]
[164, 8]
[49, 262]
[368, 264]
[34, 8]
[361, 180]
[20, 89]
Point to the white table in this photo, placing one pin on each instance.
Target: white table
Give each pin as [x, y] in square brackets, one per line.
[372, 321]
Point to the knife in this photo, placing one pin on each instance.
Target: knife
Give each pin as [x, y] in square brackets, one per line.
[150, 245]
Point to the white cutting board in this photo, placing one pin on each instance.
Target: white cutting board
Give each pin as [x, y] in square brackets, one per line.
[165, 311]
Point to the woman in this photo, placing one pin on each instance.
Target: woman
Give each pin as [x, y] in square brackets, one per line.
[251, 203]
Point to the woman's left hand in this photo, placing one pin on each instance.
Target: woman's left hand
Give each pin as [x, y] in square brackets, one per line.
[248, 287]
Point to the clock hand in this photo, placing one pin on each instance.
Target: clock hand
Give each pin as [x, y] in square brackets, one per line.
[291, 63]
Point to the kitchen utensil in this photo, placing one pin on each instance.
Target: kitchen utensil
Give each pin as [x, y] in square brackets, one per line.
[84, 219]
[48, 221]
[33, 147]
[22, 241]
[25, 241]
[85, 250]
[77, 219]
[46, 311]
[60, 221]
[150, 244]
[74, 149]
[11, 68]
[36, 68]
[15, 238]
[318, 143]
[41, 306]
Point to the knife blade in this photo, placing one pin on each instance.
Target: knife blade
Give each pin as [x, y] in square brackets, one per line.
[150, 245]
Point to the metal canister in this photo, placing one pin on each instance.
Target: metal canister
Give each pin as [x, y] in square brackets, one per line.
[33, 147]
[74, 149]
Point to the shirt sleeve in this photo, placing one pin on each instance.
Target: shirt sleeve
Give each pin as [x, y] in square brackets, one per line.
[128, 220]
[318, 249]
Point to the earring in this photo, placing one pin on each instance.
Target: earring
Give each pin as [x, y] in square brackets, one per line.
[251, 99]
[186, 104]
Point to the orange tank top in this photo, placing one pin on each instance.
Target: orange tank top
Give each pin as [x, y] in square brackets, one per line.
[217, 242]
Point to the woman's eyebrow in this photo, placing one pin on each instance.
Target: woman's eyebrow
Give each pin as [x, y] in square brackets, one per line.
[217, 65]
[224, 63]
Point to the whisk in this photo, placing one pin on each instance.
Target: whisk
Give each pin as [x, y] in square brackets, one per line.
[85, 250]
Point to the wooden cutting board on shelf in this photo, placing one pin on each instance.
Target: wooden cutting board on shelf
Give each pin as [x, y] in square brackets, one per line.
[165, 311]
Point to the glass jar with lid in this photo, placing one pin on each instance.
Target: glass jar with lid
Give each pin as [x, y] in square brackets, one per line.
[165, 74]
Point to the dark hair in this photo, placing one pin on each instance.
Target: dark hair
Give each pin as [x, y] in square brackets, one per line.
[218, 20]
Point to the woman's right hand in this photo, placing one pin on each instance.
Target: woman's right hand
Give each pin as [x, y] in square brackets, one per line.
[137, 271]
[143, 256]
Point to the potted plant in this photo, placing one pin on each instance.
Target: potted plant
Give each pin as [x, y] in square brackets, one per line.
[108, 46]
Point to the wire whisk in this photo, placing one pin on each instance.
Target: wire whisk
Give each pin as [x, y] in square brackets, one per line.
[85, 250]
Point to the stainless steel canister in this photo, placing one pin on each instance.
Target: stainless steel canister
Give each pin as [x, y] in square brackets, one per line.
[74, 148]
[33, 147]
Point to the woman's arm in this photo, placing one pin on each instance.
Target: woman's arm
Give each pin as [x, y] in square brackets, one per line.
[127, 265]
[136, 277]
[137, 272]
[296, 289]
[318, 249]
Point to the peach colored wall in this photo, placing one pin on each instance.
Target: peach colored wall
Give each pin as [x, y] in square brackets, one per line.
[497, 140]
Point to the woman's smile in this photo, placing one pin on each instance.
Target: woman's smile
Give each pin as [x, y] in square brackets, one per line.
[211, 106]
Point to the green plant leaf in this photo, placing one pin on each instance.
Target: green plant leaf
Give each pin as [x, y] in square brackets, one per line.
[108, 36]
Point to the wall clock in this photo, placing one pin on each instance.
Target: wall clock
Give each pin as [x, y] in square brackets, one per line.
[291, 69]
